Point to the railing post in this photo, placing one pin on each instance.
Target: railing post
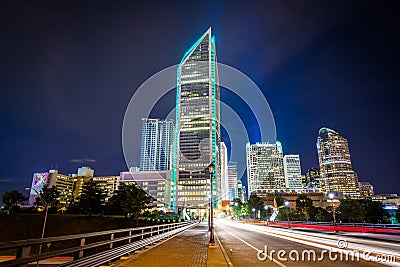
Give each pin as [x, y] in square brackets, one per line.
[80, 252]
[151, 231]
[23, 252]
[111, 238]
[130, 239]
[142, 233]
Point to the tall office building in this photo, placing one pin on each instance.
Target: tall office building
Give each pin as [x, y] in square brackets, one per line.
[264, 168]
[312, 178]
[157, 144]
[241, 191]
[224, 183]
[335, 164]
[232, 180]
[292, 169]
[197, 125]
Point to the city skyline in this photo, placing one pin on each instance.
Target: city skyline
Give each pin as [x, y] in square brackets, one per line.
[56, 99]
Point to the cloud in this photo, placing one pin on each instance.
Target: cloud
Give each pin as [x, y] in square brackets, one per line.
[6, 180]
[82, 160]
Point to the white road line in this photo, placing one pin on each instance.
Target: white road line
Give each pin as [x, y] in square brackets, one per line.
[253, 247]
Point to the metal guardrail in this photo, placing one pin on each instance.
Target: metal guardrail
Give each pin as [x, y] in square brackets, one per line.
[368, 225]
[118, 242]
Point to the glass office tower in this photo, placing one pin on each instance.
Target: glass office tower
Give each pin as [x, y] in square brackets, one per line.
[157, 144]
[336, 170]
[265, 172]
[197, 126]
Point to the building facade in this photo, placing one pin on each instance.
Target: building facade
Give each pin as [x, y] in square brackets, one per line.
[85, 172]
[70, 186]
[366, 189]
[197, 135]
[155, 183]
[336, 170]
[224, 181]
[232, 180]
[312, 178]
[241, 192]
[292, 170]
[264, 168]
[65, 185]
[157, 144]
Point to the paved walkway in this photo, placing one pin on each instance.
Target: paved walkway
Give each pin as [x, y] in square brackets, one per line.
[189, 248]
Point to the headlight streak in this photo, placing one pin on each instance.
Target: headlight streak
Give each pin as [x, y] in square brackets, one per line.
[367, 252]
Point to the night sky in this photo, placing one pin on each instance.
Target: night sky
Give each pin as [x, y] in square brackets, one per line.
[69, 68]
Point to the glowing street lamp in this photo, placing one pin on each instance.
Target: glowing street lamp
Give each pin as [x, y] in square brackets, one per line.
[254, 212]
[332, 196]
[45, 218]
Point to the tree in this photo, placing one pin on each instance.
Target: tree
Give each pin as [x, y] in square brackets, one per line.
[319, 214]
[350, 210]
[73, 207]
[303, 204]
[50, 196]
[255, 202]
[92, 199]
[130, 200]
[236, 208]
[239, 208]
[11, 200]
[374, 212]
[280, 201]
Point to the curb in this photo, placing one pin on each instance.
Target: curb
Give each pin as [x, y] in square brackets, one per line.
[228, 261]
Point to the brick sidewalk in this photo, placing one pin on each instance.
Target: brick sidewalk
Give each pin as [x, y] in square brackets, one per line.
[187, 249]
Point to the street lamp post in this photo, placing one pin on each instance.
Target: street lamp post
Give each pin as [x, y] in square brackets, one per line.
[211, 171]
[209, 213]
[287, 212]
[266, 209]
[45, 218]
[237, 211]
[331, 196]
[254, 213]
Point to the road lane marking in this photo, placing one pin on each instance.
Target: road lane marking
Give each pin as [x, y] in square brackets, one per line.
[253, 247]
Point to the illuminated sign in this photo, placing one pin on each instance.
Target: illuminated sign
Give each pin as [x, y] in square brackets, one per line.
[39, 181]
[390, 207]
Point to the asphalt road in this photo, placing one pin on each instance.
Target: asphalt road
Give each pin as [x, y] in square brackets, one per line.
[245, 245]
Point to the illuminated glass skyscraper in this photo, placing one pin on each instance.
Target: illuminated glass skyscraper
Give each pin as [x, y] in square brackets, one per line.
[157, 144]
[292, 169]
[197, 125]
[336, 170]
[265, 171]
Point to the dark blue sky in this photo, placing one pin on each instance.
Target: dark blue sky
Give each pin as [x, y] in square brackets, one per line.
[69, 68]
